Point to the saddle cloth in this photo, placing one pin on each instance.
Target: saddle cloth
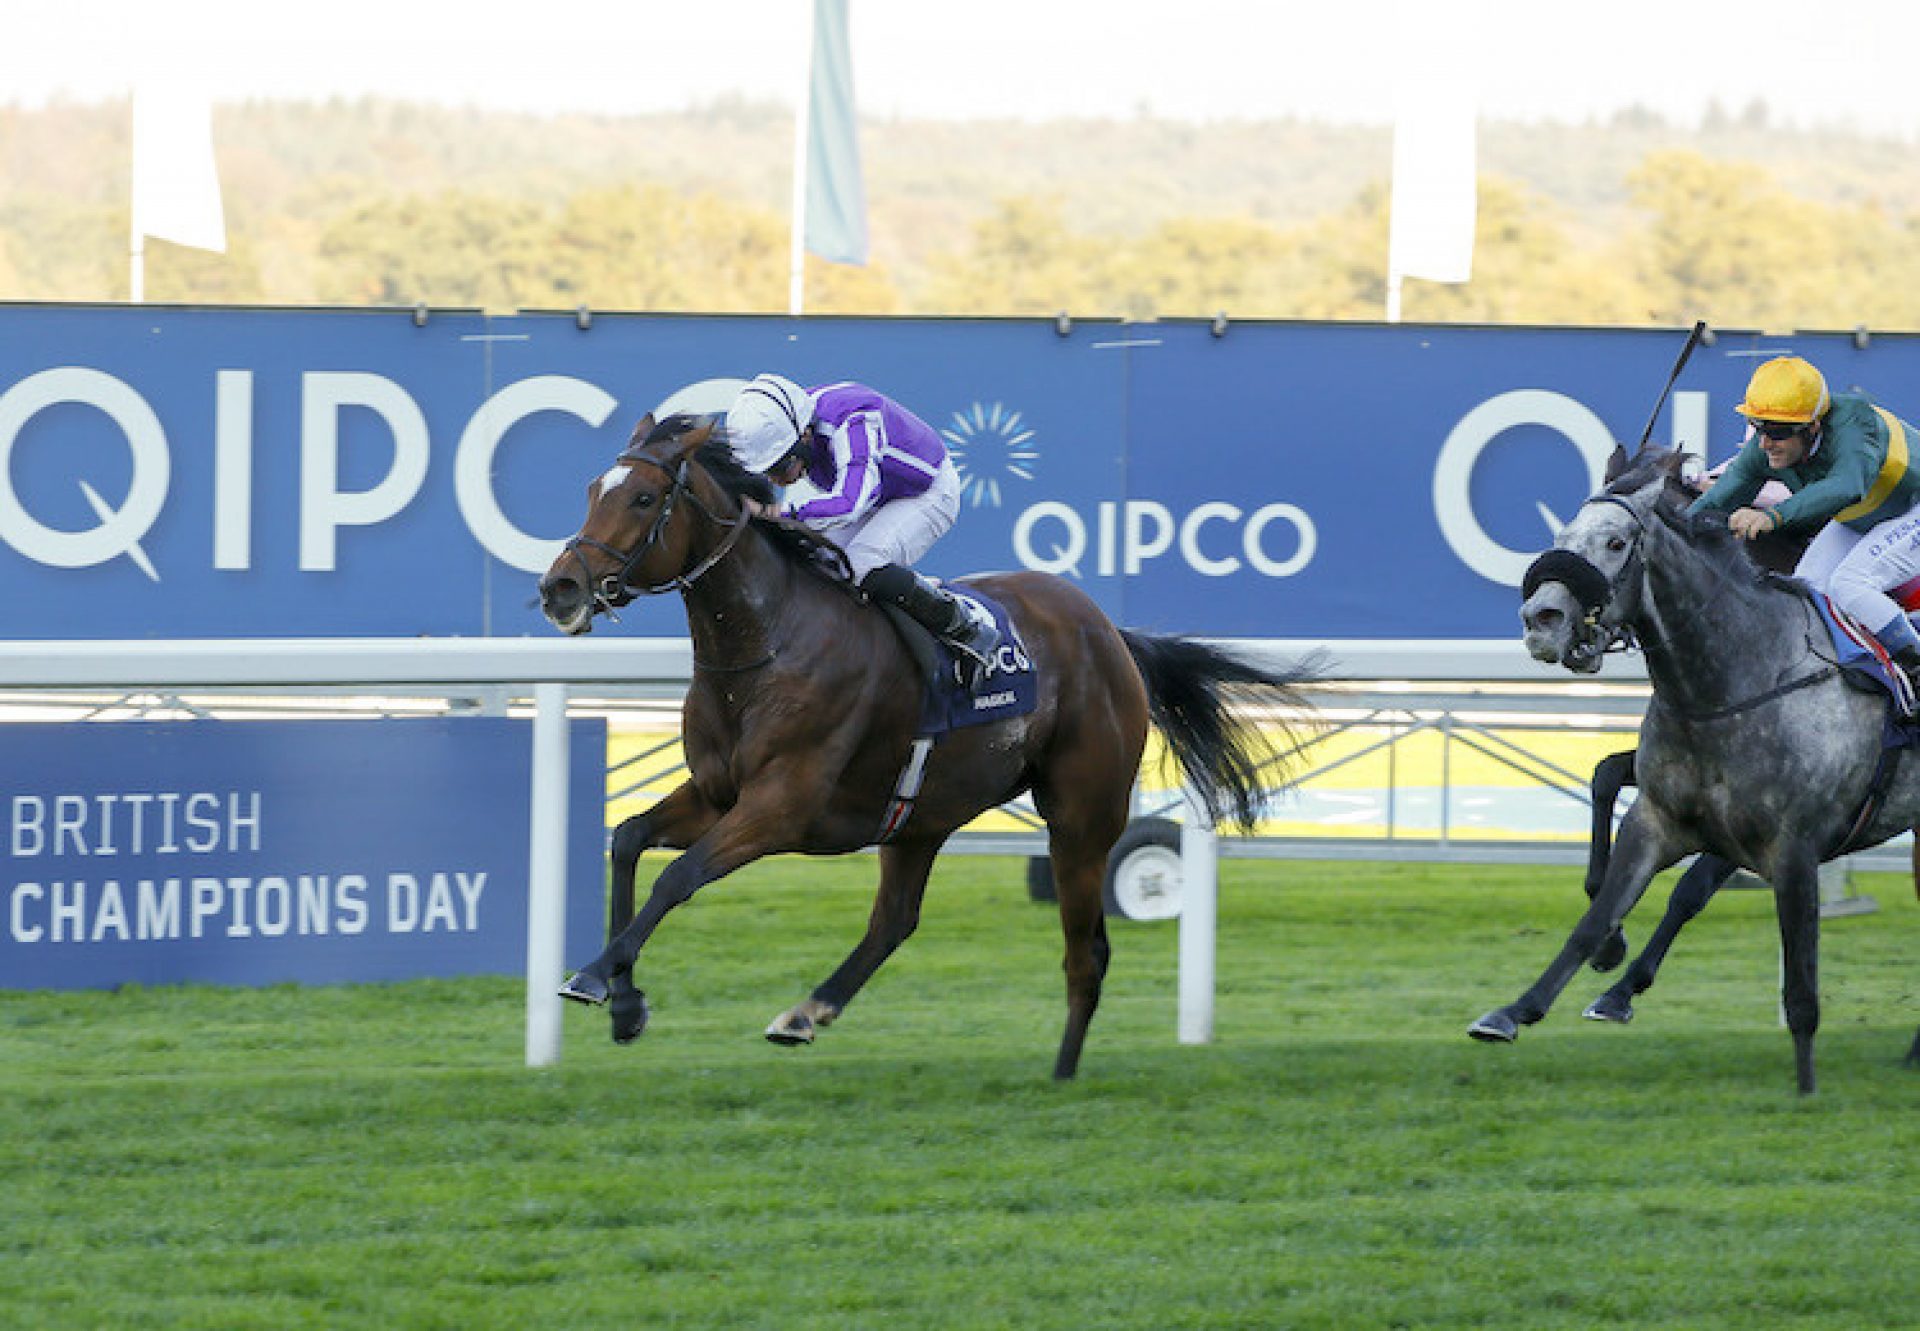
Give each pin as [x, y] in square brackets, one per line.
[1006, 689]
[1858, 652]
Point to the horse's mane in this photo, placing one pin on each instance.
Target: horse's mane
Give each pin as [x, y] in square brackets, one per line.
[1707, 534]
[810, 549]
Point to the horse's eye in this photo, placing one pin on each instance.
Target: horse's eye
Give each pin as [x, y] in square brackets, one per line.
[1617, 544]
[643, 500]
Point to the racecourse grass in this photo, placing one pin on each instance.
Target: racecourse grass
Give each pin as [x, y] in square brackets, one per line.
[1340, 1156]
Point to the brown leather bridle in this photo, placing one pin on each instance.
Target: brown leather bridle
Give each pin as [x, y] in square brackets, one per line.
[617, 587]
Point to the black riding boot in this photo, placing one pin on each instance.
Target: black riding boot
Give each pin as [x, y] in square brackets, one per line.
[1908, 659]
[935, 607]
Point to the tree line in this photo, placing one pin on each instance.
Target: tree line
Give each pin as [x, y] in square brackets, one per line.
[386, 203]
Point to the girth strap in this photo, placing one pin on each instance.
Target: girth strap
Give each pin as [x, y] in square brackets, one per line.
[1894, 741]
[906, 790]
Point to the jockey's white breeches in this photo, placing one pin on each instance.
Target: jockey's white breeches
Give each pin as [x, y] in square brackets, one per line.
[1858, 570]
[901, 530]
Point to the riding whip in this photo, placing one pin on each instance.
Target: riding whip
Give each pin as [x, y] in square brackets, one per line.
[1693, 340]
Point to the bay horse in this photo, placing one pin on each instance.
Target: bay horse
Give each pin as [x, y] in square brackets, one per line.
[1753, 746]
[804, 707]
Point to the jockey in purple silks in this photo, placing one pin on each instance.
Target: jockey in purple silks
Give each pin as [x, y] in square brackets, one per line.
[888, 490]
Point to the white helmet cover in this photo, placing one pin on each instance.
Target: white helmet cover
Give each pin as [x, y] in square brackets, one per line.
[766, 420]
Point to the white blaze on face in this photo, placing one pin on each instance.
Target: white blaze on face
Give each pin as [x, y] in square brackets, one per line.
[612, 479]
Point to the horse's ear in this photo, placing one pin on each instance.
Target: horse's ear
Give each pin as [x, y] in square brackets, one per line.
[641, 431]
[687, 434]
[1616, 464]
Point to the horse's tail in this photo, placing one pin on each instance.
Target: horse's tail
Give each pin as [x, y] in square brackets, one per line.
[1229, 759]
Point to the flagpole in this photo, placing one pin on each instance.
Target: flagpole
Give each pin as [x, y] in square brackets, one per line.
[797, 250]
[136, 241]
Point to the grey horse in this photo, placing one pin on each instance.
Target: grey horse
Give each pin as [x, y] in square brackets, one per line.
[1754, 748]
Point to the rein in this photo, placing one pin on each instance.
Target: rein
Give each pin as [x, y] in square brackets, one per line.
[1748, 704]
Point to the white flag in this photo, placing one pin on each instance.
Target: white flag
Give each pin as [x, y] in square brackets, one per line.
[836, 200]
[1436, 54]
[1434, 205]
[176, 188]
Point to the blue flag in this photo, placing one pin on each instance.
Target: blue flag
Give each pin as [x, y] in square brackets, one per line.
[836, 202]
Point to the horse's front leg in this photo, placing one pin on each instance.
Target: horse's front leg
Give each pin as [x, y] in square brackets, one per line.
[1696, 887]
[1796, 900]
[904, 869]
[674, 823]
[749, 830]
[1641, 852]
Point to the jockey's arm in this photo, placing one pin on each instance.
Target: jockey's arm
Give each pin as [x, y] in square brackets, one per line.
[856, 485]
[1739, 482]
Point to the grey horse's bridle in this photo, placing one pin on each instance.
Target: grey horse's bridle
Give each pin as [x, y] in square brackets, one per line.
[617, 588]
[1594, 590]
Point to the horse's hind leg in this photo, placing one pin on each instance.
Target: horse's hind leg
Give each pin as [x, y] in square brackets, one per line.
[904, 870]
[1696, 887]
[1609, 775]
[1079, 874]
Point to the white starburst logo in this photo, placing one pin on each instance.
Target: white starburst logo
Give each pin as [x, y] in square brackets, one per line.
[989, 444]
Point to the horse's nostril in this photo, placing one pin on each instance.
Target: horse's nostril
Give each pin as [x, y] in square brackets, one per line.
[560, 593]
[1544, 618]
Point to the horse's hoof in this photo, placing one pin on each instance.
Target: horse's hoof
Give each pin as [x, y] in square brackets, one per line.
[1609, 1008]
[1495, 1028]
[1610, 953]
[584, 987]
[791, 1028]
[630, 1013]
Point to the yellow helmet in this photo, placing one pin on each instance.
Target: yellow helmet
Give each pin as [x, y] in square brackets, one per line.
[1786, 389]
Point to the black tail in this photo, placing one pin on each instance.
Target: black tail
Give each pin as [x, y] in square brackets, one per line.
[1230, 762]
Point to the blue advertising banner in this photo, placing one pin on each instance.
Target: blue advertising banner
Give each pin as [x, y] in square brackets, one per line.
[270, 473]
[259, 852]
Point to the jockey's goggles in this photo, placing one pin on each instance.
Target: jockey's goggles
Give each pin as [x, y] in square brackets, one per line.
[1778, 430]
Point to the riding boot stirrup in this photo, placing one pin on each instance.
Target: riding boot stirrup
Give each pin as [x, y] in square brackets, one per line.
[975, 639]
[1907, 659]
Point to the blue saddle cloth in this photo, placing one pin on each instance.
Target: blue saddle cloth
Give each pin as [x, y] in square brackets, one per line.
[1008, 688]
[1858, 652]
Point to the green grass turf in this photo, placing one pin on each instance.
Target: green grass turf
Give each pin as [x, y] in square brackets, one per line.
[1341, 1156]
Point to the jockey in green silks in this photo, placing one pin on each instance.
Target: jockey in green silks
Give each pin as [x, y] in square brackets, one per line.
[1844, 459]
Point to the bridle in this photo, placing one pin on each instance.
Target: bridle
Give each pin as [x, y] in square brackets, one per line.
[1594, 590]
[617, 588]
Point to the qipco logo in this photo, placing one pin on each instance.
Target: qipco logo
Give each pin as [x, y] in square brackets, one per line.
[325, 507]
[119, 530]
[1214, 539]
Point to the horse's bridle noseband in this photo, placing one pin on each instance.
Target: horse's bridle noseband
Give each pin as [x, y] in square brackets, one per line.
[616, 588]
[1594, 590]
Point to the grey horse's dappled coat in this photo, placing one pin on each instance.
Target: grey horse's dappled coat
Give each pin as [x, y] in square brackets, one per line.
[1753, 747]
